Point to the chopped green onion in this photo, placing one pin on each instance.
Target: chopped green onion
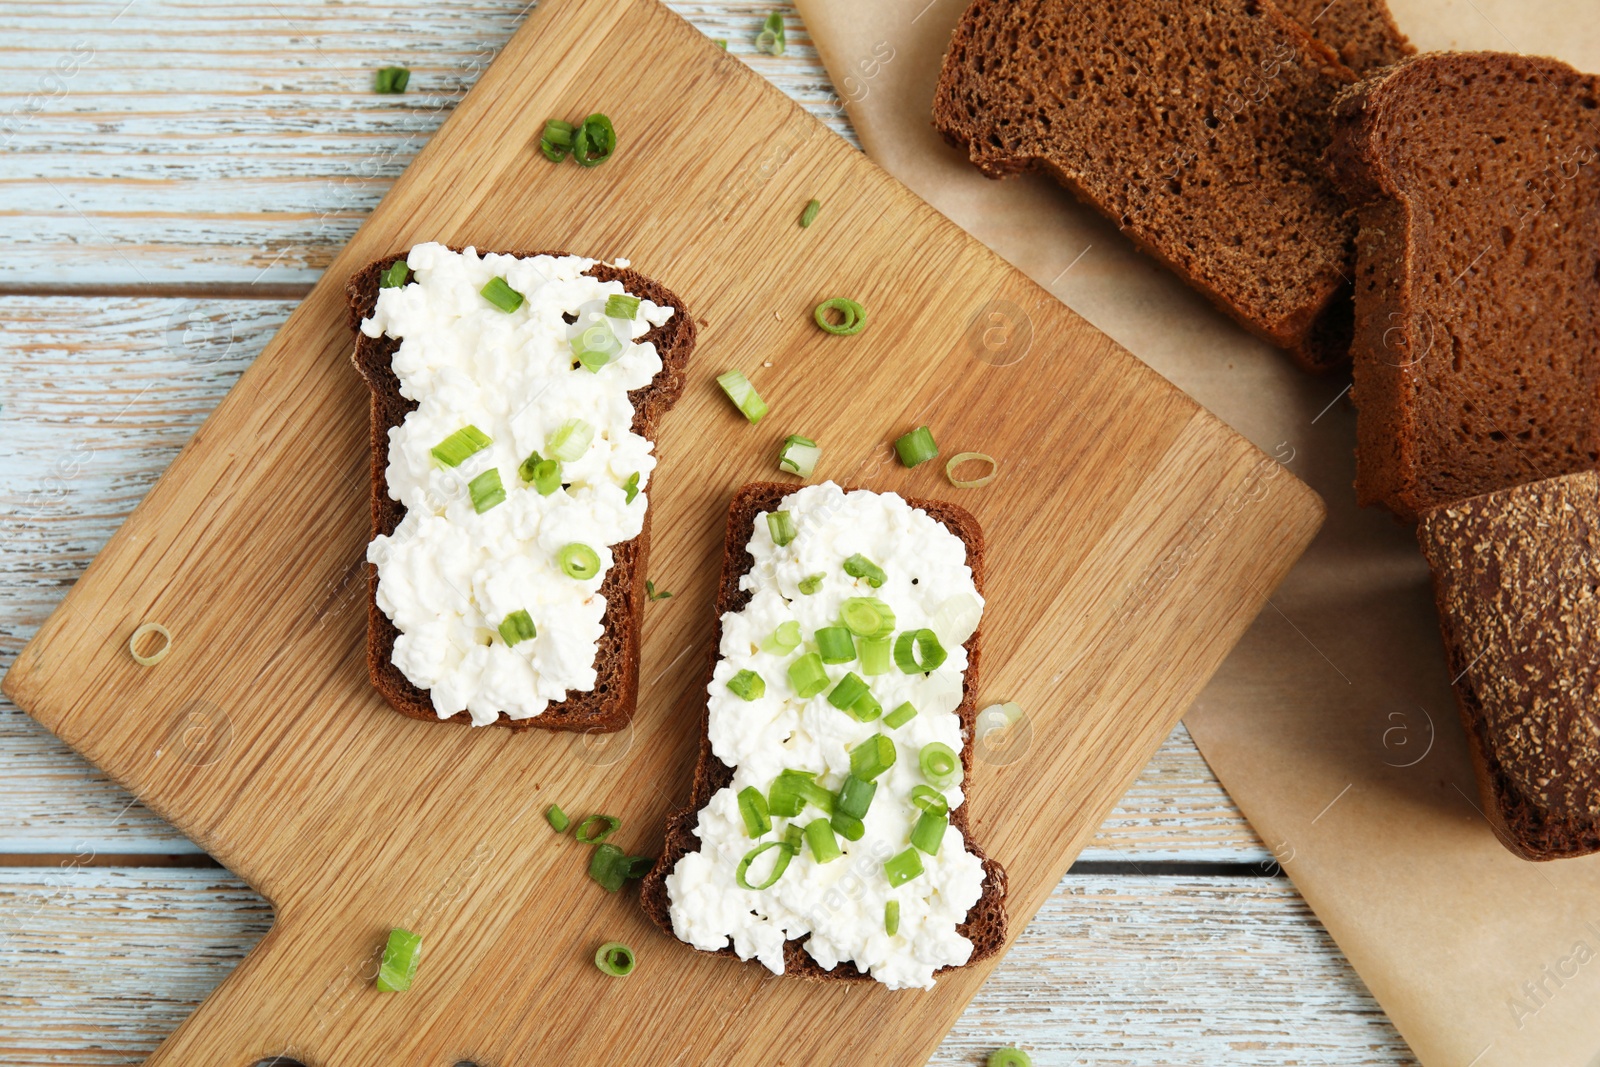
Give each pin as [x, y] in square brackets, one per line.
[852, 320]
[928, 834]
[1010, 1056]
[743, 395]
[872, 757]
[811, 583]
[891, 917]
[799, 455]
[848, 691]
[454, 450]
[486, 490]
[806, 676]
[867, 616]
[781, 864]
[847, 826]
[753, 809]
[518, 627]
[570, 441]
[630, 488]
[391, 80]
[970, 483]
[859, 566]
[557, 818]
[855, 796]
[543, 474]
[579, 561]
[400, 958]
[918, 651]
[939, 763]
[720, 42]
[397, 275]
[809, 215]
[902, 868]
[615, 959]
[556, 141]
[866, 708]
[824, 846]
[771, 38]
[608, 865]
[784, 797]
[583, 835]
[875, 655]
[815, 795]
[927, 798]
[916, 446]
[786, 638]
[595, 346]
[594, 141]
[900, 716]
[781, 525]
[747, 685]
[650, 591]
[501, 295]
[639, 866]
[835, 645]
[792, 836]
[622, 306]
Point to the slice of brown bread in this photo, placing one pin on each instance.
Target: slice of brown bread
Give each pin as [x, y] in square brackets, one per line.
[1361, 33]
[986, 921]
[1517, 578]
[1196, 128]
[1476, 178]
[609, 705]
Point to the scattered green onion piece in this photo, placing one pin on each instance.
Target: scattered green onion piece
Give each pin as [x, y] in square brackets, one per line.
[630, 488]
[848, 691]
[622, 306]
[747, 685]
[799, 455]
[824, 846]
[400, 958]
[579, 561]
[720, 42]
[835, 645]
[939, 763]
[595, 346]
[557, 818]
[486, 490]
[916, 446]
[855, 796]
[454, 450]
[975, 457]
[543, 474]
[918, 651]
[891, 917]
[815, 795]
[811, 583]
[853, 317]
[1010, 1056]
[809, 215]
[859, 566]
[594, 141]
[867, 616]
[501, 295]
[927, 798]
[781, 525]
[866, 708]
[391, 80]
[786, 797]
[608, 865]
[900, 716]
[518, 627]
[872, 757]
[786, 638]
[753, 809]
[847, 826]
[928, 834]
[781, 864]
[583, 835]
[743, 395]
[903, 868]
[806, 676]
[650, 591]
[771, 38]
[639, 866]
[615, 959]
[792, 836]
[556, 141]
[570, 441]
[875, 655]
[398, 274]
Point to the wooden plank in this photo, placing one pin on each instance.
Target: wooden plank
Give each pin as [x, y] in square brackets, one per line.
[102, 393]
[1206, 972]
[249, 149]
[1155, 531]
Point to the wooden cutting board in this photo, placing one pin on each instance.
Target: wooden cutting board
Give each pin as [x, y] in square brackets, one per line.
[1131, 539]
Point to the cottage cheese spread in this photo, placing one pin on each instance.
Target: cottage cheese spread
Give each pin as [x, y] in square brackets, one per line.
[453, 577]
[840, 904]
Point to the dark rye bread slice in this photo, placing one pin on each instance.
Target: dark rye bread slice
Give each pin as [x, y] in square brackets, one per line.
[1517, 578]
[986, 921]
[1361, 33]
[609, 705]
[1196, 128]
[1476, 179]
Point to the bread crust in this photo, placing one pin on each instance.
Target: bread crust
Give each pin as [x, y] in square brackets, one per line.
[610, 704]
[985, 925]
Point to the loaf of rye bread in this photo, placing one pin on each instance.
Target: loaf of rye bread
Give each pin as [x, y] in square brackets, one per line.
[609, 705]
[1516, 574]
[1476, 179]
[1361, 33]
[985, 925]
[1197, 128]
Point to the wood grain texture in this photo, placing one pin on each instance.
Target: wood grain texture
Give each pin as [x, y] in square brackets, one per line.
[1153, 532]
[1116, 972]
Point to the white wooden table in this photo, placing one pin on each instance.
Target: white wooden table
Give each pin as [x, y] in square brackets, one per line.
[174, 177]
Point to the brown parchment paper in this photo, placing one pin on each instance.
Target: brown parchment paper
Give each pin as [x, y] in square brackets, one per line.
[1333, 724]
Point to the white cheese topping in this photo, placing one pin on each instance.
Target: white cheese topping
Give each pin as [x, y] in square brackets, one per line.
[840, 904]
[450, 576]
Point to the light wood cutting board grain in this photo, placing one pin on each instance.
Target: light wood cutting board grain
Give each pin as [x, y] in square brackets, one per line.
[1132, 538]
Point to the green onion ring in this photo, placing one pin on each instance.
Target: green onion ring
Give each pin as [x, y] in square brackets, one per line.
[159, 654]
[594, 141]
[582, 835]
[615, 958]
[970, 483]
[929, 799]
[778, 867]
[580, 561]
[1009, 1056]
[855, 316]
